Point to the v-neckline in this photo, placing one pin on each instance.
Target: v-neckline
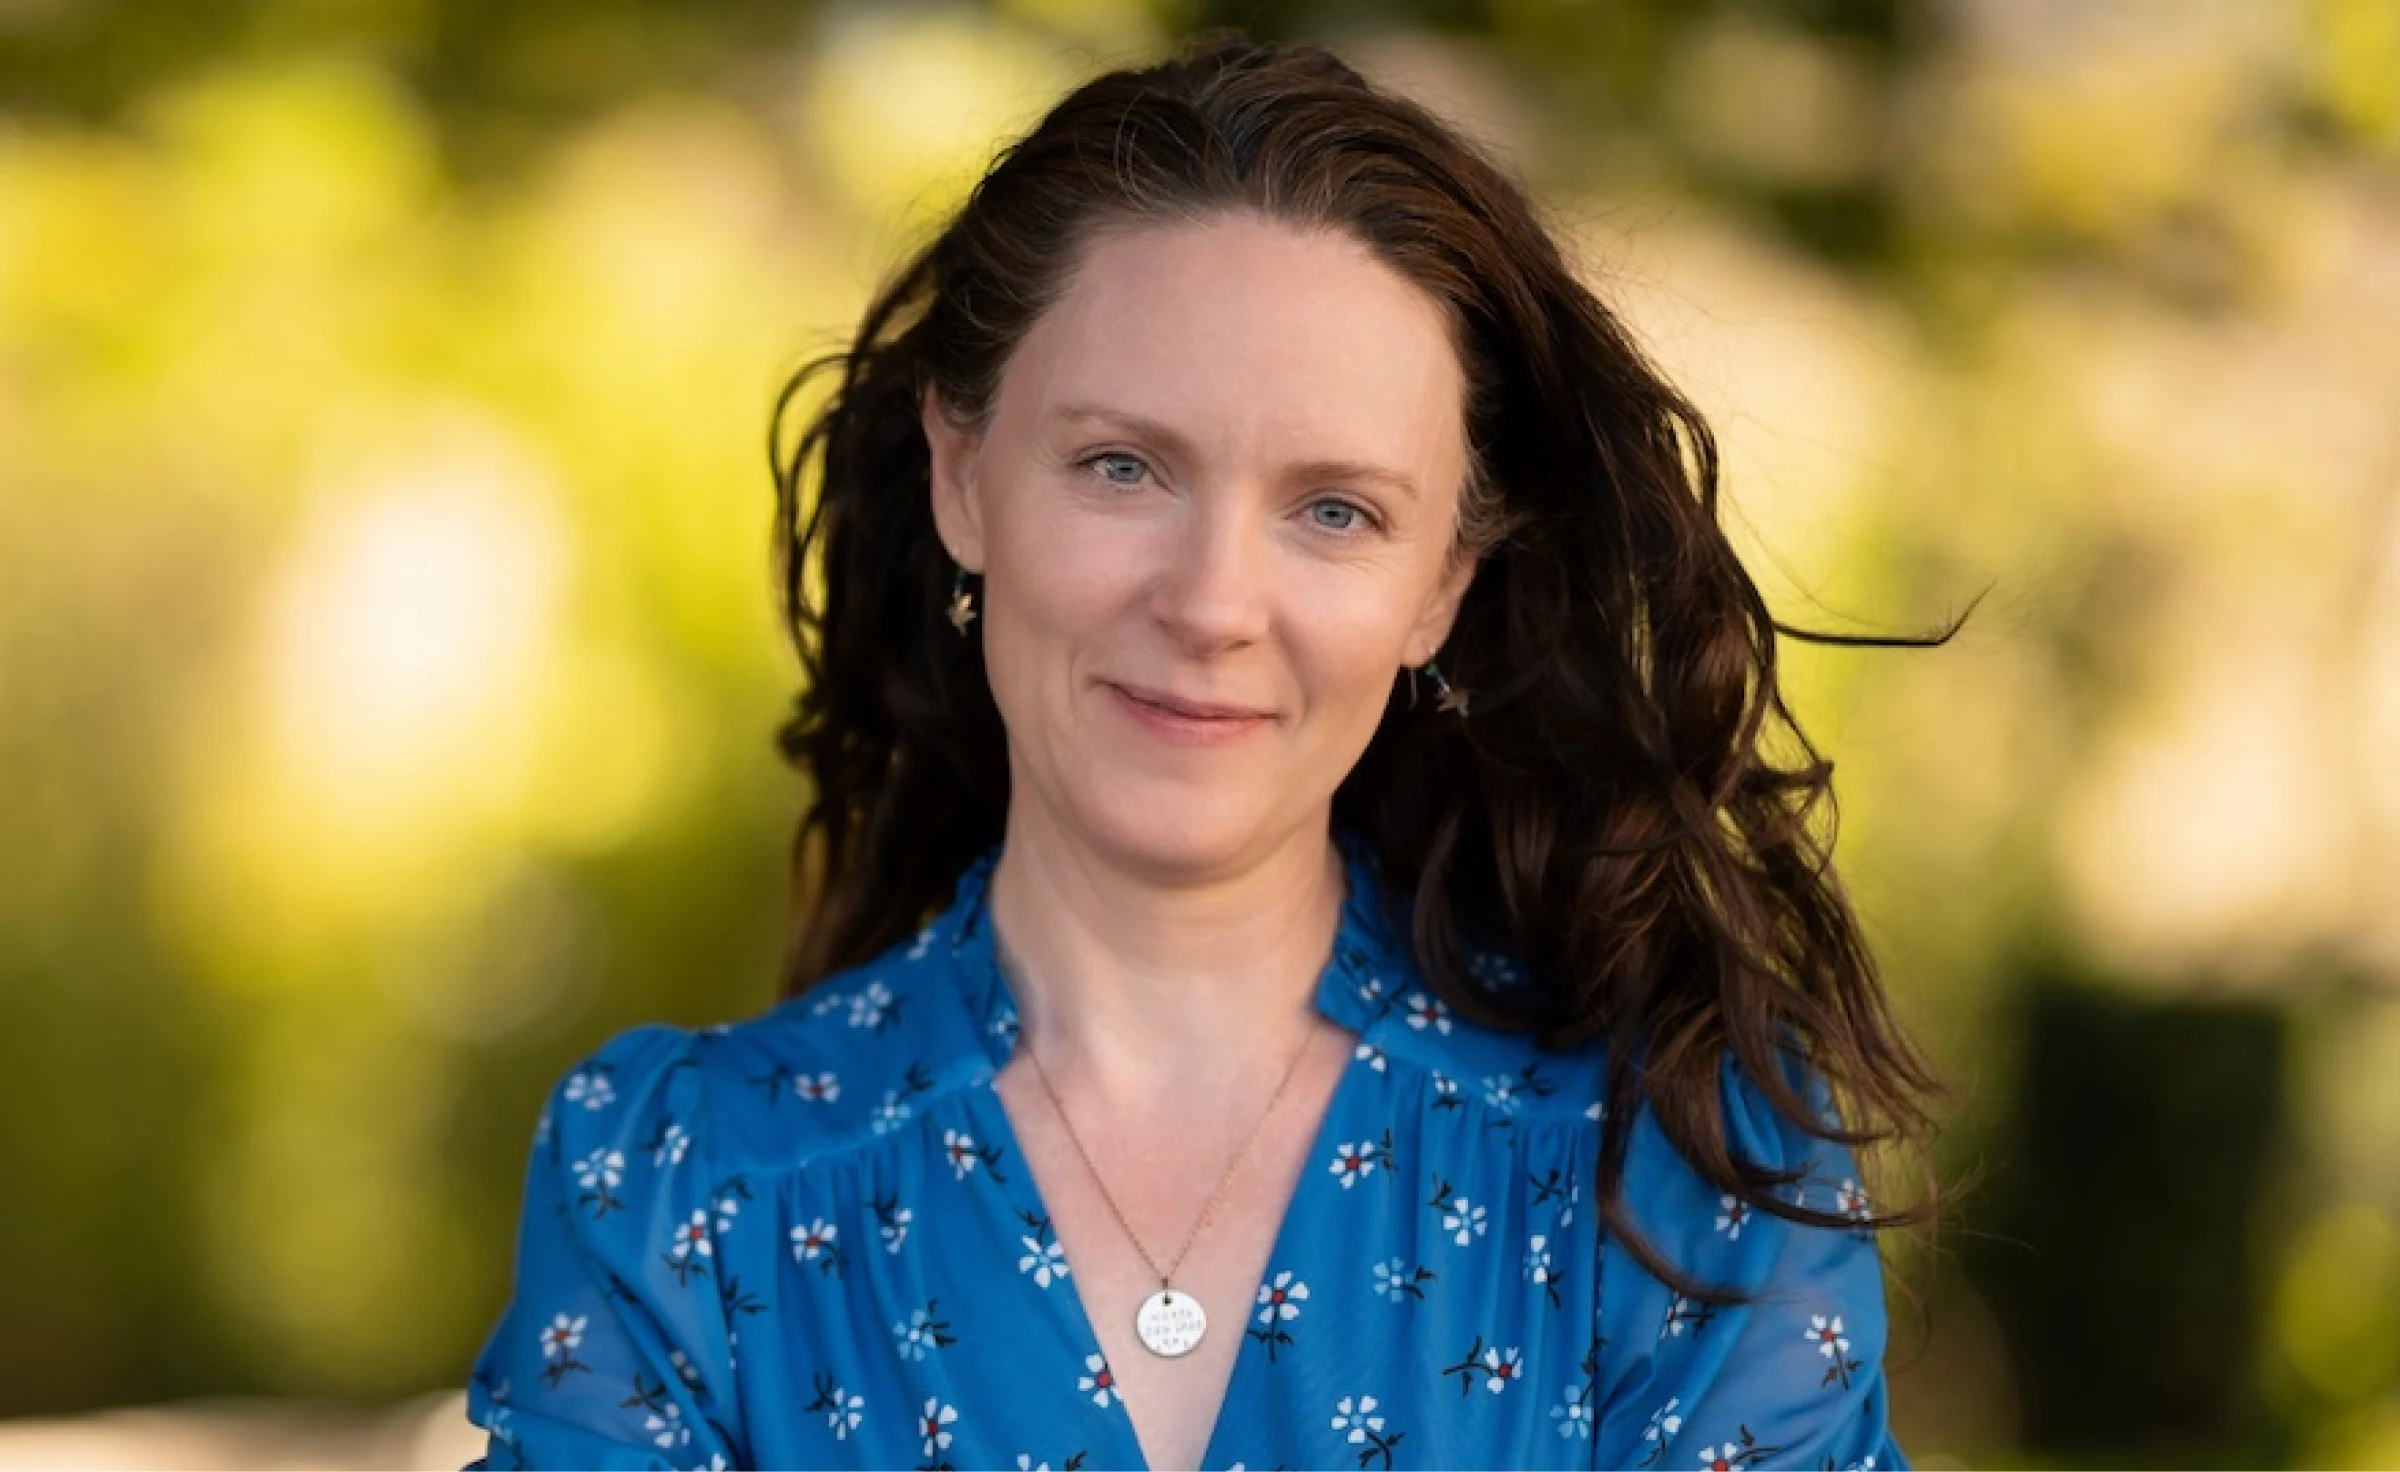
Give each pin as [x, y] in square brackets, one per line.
[1078, 1313]
[1352, 991]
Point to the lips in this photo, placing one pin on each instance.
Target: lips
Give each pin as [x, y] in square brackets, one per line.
[1197, 710]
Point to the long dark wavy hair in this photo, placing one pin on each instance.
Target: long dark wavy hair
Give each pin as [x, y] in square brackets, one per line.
[1610, 814]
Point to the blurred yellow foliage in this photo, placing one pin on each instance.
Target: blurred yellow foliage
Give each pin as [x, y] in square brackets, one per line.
[387, 647]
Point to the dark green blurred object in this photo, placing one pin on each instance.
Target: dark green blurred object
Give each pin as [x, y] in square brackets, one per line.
[2125, 1234]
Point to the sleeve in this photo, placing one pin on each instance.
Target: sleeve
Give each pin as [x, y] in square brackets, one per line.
[1791, 1377]
[613, 1350]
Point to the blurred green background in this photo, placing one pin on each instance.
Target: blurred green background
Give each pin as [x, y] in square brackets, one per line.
[387, 664]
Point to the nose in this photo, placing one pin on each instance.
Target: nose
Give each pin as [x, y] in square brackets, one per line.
[1212, 590]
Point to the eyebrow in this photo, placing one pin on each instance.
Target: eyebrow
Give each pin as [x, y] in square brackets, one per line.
[1175, 444]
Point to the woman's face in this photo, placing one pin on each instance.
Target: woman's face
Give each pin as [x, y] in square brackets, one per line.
[1213, 509]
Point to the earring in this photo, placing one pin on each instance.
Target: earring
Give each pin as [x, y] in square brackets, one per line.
[1452, 699]
[962, 602]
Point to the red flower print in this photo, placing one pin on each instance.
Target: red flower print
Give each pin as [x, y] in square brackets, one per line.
[932, 1424]
[1098, 1382]
[1851, 1201]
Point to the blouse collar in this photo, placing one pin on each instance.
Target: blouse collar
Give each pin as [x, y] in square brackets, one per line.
[1359, 981]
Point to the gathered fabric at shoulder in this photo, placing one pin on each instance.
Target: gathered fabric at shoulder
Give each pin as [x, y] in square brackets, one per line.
[614, 1349]
[1791, 1376]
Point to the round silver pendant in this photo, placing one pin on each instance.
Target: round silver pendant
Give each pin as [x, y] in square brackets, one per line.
[1170, 1323]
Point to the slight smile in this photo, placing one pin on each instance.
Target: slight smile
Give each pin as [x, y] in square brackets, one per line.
[1186, 722]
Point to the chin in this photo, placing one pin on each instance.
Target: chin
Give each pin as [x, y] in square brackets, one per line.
[1170, 829]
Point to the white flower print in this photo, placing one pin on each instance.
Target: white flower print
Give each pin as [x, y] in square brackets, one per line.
[590, 1089]
[691, 1239]
[1353, 1163]
[564, 1336]
[1371, 1055]
[1737, 1212]
[1502, 1368]
[1683, 1314]
[672, 1143]
[1566, 1213]
[1356, 1415]
[729, 1206]
[600, 1170]
[666, 1427]
[819, 1088]
[1279, 1298]
[1445, 1089]
[1005, 1026]
[1595, 1111]
[1851, 1201]
[813, 1241]
[895, 1228]
[685, 1370]
[1537, 1260]
[844, 1413]
[1664, 1423]
[1425, 1011]
[918, 947]
[1047, 1261]
[829, 1002]
[890, 1114]
[1097, 1382]
[1370, 991]
[541, 1129]
[1826, 1336]
[1394, 1281]
[1500, 1091]
[1494, 971]
[1573, 1416]
[1465, 1220]
[919, 1333]
[1026, 1463]
[930, 1424]
[871, 1006]
[959, 1146]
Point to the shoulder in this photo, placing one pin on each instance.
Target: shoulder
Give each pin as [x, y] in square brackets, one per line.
[1508, 1072]
[628, 1096]
[1715, 1234]
[1376, 986]
[1790, 1362]
[850, 1060]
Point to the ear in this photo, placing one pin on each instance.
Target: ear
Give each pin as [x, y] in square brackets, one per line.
[957, 503]
[1433, 626]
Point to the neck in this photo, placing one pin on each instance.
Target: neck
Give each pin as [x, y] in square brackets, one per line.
[1137, 981]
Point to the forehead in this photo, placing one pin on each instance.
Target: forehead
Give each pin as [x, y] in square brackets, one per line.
[1242, 326]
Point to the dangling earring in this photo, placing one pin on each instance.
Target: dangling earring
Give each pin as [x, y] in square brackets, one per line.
[962, 603]
[1452, 699]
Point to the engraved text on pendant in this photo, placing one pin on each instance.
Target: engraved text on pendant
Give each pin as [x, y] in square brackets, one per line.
[1171, 1323]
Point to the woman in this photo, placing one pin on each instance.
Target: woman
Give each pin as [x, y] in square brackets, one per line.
[1294, 1069]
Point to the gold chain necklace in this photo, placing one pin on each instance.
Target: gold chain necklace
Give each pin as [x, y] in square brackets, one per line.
[1169, 1324]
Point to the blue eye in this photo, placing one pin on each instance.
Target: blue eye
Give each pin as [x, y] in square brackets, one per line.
[1356, 517]
[1118, 468]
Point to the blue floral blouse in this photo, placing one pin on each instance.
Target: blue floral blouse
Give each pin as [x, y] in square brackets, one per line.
[809, 1240]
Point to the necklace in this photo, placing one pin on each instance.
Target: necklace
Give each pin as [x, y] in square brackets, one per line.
[1169, 1323]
